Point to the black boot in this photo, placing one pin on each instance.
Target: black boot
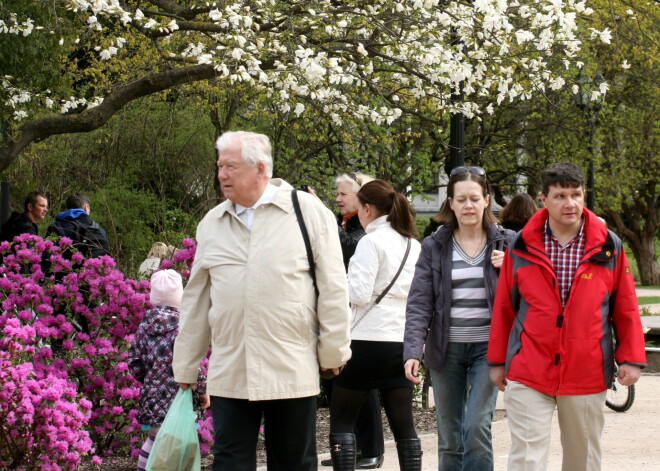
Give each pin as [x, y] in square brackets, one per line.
[410, 454]
[342, 451]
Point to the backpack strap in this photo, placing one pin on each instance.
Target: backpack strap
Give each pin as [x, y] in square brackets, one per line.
[305, 234]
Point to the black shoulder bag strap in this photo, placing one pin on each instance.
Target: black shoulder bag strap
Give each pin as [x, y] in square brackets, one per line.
[385, 291]
[305, 234]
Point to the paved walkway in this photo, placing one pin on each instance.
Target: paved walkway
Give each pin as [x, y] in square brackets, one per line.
[629, 438]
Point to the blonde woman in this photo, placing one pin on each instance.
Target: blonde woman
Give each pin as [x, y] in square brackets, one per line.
[158, 251]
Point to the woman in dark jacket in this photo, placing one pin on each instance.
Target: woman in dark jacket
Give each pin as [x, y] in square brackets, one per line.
[448, 319]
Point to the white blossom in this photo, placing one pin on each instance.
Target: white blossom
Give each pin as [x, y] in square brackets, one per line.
[330, 58]
[151, 24]
[624, 64]
[205, 59]
[93, 23]
[106, 54]
[604, 87]
[604, 35]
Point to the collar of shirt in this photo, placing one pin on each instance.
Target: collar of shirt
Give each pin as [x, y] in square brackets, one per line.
[565, 260]
[549, 236]
[246, 214]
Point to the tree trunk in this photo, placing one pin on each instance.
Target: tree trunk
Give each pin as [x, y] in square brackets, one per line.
[647, 263]
[638, 224]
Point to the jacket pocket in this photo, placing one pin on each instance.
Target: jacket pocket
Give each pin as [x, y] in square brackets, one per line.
[298, 329]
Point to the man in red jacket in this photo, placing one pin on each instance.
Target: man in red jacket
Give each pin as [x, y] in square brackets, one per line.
[564, 292]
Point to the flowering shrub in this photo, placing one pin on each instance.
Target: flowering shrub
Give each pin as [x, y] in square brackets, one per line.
[65, 328]
[40, 411]
[182, 259]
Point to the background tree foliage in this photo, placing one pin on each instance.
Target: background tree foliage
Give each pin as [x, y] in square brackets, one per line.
[150, 169]
[371, 61]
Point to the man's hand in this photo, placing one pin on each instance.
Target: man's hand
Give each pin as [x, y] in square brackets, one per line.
[204, 401]
[628, 374]
[412, 370]
[184, 386]
[498, 377]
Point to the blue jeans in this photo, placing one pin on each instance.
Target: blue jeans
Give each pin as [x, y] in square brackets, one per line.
[464, 404]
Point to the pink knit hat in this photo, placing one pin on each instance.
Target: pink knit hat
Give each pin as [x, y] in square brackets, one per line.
[166, 288]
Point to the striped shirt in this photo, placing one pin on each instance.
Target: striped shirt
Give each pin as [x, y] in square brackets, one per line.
[470, 316]
[565, 260]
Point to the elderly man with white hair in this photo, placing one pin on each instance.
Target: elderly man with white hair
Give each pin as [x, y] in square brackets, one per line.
[250, 297]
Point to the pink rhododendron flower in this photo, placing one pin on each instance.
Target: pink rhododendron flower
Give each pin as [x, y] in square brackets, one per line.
[65, 329]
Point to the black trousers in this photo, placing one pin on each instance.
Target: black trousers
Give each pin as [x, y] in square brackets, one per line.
[369, 424]
[289, 429]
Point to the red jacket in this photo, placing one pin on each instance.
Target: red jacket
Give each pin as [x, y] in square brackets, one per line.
[569, 350]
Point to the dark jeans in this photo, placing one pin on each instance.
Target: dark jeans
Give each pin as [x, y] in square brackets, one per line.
[289, 429]
[369, 424]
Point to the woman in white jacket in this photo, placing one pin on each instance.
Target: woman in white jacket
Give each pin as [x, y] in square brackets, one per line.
[384, 262]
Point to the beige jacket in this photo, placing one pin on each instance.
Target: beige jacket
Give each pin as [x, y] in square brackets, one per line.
[251, 297]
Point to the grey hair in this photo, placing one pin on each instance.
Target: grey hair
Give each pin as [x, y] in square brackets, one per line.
[255, 148]
[362, 178]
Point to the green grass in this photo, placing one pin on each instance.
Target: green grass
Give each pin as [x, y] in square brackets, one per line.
[648, 300]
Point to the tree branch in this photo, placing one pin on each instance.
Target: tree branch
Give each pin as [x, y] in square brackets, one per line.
[94, 118]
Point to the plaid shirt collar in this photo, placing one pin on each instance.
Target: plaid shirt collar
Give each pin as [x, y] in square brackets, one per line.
[565, 260]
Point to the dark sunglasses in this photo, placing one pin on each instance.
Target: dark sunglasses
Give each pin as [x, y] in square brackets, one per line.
[353, 176]
[461, 170]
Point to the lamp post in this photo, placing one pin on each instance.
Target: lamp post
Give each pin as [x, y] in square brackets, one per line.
[457, 135]
[589, 106]
[457, 123]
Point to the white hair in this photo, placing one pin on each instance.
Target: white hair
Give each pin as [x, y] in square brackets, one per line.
[255, 148]
[356, 180]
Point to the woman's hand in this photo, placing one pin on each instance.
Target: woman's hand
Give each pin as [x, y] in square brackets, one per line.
[411, 368]
[496, 258]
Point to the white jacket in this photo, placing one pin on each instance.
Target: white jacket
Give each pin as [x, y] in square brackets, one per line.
[377, 259]
[251, 297]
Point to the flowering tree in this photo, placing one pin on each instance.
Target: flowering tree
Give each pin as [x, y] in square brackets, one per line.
[374, 60]
[66, 325]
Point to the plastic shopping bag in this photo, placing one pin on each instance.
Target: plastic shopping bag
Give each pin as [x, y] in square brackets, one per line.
[176, 447]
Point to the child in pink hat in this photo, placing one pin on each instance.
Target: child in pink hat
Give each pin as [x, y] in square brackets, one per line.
[150, 357]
